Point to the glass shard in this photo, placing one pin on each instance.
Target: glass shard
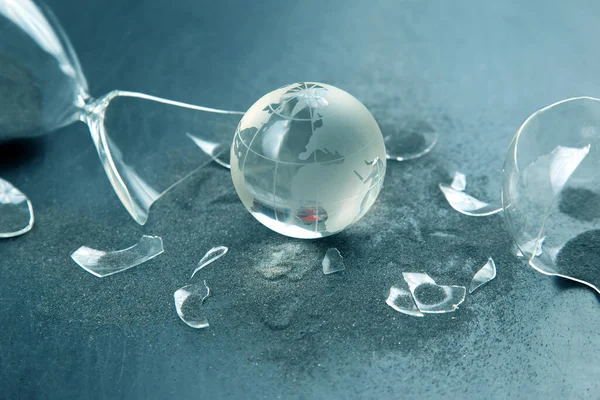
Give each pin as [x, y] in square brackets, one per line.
[431, 297]
[333, 261]
[16, 211]
[413, 140]
[402, 300]
[484, 275]
[467, 204]
[104, 263]
[533, 246]
[211, 256]
[459, 182]
[189, 302]
[219, 152]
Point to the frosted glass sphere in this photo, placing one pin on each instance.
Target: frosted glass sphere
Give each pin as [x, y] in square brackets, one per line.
[308, 160]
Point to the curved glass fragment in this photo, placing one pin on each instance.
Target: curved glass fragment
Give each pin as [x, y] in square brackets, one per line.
[483, 276]
[551, 190]
[431, 297]
[104, 263]
[211, 256]
[402, 301]
[465, 203]
[141, 139]
[16, 211]
[189, 302]
[408, 140]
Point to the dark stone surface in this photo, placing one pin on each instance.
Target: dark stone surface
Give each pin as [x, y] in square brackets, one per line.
[473, 70]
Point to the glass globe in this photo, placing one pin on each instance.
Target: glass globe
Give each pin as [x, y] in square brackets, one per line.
[551, 190]
[308, 160]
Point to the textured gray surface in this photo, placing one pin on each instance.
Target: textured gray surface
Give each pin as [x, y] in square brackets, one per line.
[473, 70]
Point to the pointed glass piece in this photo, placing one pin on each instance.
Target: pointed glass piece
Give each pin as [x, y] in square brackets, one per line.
[402, 300]
[431, 297]
[459, 182]
[533, 246]
[16, 211]
[333, 261]
[105, 263]
[189, 302]
[211, 256]
[484, 275]
[219, 152]
[467, 204]
[412, 140]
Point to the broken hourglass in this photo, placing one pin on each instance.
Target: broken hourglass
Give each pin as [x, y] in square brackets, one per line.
[146, 144]
[551, 190]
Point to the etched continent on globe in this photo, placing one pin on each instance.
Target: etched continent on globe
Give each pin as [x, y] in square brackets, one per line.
[308, 160]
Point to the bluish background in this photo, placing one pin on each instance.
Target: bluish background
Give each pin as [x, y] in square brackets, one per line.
[473, 70]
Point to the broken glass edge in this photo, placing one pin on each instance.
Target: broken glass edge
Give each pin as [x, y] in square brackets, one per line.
[207, 257]
[9, 194]
[413, 156]
[333, 261]
[5, 235]
[415, 279]
[559, 176]
[467, 204]
[212, 149]
[90, 259]
[483, 275]
[558, 274]
[181, 295]
[395, 294]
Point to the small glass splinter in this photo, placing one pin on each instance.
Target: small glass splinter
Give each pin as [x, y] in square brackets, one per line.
[484, 275]
[211, 256]
[16, 211]
[402, 300]
[431, 297]
[333, 261]
[103, 263]
[459, 182]
[188, 303]
[465, 203]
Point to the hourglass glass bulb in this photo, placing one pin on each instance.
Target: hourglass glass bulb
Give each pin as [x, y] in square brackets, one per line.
[146, 144]
[551, 190]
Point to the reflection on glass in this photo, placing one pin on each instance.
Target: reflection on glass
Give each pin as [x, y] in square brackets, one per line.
[551, 189]
[104, 263]
[140, 138]
[16, 211]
